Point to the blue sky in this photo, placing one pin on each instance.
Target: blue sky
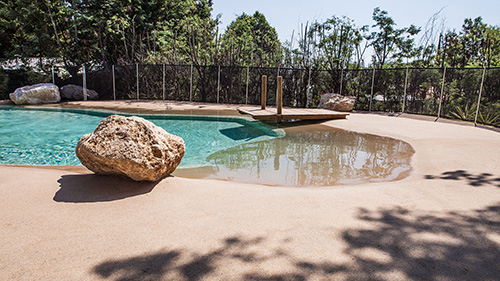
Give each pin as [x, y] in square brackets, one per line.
[287, 15]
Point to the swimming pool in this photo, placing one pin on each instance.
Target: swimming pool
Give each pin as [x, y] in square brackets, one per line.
[48, 136]
[218, 147]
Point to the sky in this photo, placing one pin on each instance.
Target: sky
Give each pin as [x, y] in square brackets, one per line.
[287, 15]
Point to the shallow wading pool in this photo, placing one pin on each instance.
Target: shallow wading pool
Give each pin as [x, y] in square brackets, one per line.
[218, 147]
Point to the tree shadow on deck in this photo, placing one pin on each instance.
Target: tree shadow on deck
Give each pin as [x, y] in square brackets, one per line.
[395, 244]
[166, 264]
[87, 188]
[426, 245]
[473, 180]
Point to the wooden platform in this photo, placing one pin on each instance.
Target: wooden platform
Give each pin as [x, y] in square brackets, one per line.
[292, 113]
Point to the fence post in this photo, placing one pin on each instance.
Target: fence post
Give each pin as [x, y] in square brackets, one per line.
[114, 83]
[218, 83]
[371, 95]
[191, 85]
[84, 83]
[246, 95]
[163, 82]
[277, 74]
[53, 77]
[341, 80]
[137, 77]
[279, 98]
[263, 92]
[441, 96]
[480, 94]
[404, 95]
[308, 90]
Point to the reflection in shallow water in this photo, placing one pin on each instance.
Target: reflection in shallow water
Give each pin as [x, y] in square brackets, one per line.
[312, 155]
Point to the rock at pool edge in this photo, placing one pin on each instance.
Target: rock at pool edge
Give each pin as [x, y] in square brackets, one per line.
[336, 102]
[130, 146]
[36, 94]
[75, 92]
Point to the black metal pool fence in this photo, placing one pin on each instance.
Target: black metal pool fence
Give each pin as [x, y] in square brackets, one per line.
[471, 94]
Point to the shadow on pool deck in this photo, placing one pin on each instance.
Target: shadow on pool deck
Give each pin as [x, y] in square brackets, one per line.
[395, 244]
[94, 188]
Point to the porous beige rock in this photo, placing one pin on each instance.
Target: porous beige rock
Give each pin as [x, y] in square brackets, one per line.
[130, 146]
[75, 92]
[337, 102]
[36, 94]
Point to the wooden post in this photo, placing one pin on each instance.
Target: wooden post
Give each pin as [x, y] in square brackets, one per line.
[279, 98]
[263, 92]
[479, 99]
[53, 76]
[114, 83]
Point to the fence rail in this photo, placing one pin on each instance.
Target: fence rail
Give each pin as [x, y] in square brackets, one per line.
[471, 94]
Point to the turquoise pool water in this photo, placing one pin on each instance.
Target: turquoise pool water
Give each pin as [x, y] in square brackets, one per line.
[47, 136]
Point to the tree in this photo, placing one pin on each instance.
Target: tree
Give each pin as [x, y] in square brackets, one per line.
[338, 41]
[104, 31]
[186, 34]
[28, 30]
[477, 44]
[140, 31]
[250, 40]
[430, 40]
[390, 43]
[491, 46]
[473, 42]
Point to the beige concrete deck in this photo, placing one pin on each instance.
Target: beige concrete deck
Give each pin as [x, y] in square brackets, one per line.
[440, 223]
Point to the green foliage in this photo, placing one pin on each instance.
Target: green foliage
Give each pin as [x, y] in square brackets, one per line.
[489, 118]
[333, 44]
[464, 113]
[477, 44]
[250, 40]
[106, 31]
[391, 43]
[187, 34]
[339, 42]
[4, 80]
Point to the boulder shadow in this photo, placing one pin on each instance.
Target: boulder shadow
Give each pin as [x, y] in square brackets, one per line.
[89, 188]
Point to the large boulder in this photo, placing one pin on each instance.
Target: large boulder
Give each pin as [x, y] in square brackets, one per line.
[130, 146]
[337, 102]
[36, 94]
[75, 92]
